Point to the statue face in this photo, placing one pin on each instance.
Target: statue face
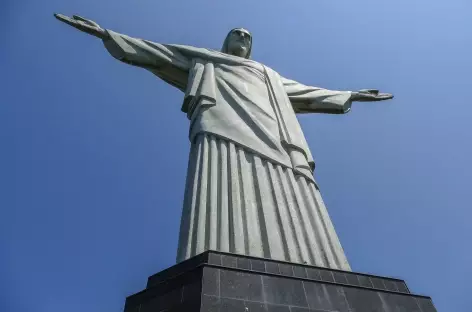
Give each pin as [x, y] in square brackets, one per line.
[239, 42]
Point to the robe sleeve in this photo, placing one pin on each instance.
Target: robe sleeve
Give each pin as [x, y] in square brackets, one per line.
[307, 99]
[165, 61]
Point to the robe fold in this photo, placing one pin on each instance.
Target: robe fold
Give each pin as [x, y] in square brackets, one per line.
[250, 186]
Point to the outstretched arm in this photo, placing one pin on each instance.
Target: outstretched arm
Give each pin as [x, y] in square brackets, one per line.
[163, 60]
[308, 99]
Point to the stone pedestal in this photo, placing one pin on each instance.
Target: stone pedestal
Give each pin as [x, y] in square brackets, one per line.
[215, 281]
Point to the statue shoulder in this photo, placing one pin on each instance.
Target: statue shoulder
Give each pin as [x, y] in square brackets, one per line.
[193, 52]
[214, 56]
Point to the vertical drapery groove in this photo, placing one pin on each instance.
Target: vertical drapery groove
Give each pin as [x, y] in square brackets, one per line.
[308, 228]
[187, 213]
[235, 208]
[266, 219]
[213, 197]
[191, 250]
[297, 226]
[223, 228]
[242, 198]
[236, 201]
[320, 231]
[202, 199]
[331, 232]
[290, 247]
[324, 232]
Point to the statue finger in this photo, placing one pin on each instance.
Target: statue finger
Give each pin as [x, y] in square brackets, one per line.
[85, 21]
[74, 23]
[371, 91]
[65, 19]
[60, 16]
[384, 96]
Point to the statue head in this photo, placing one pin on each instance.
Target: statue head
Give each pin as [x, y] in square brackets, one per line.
[238, 42]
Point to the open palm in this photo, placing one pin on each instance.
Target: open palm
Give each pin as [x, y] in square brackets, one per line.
[370, 95]
[83, 24]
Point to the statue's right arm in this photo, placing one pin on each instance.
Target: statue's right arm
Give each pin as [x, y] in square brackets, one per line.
[165, 61]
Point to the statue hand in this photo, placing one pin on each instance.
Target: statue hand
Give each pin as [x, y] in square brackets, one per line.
[370, 95]
[83, 24]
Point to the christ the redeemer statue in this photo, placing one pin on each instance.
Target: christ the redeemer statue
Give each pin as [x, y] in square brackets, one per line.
[250, 188]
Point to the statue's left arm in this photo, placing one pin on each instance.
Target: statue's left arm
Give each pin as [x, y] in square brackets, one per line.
[308, 99]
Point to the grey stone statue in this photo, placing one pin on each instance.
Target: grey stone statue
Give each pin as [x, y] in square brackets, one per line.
[250, 188]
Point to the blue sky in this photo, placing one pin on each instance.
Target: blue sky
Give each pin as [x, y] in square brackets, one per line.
[93, 153]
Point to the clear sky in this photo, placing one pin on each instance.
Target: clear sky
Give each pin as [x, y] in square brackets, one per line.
[93, 152]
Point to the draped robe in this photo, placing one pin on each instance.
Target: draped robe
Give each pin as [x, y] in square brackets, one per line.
[250, 186]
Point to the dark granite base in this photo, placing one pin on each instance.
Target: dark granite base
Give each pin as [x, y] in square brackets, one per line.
[221, 282]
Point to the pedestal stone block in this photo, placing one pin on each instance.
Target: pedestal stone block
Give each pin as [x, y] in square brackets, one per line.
[221, 282]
